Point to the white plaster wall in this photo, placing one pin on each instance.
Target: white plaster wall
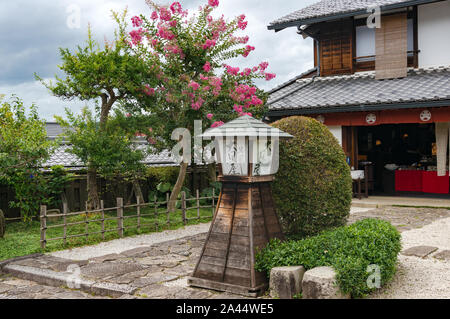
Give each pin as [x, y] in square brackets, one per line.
[337, 132]
[434, 34]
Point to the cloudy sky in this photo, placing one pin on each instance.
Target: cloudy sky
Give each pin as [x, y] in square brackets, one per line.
[32, 31]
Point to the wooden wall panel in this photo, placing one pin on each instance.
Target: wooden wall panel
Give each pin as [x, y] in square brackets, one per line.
[336, 48]
[391, 44]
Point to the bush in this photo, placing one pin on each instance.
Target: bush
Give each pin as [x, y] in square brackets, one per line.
[313, 187]
[349, 250]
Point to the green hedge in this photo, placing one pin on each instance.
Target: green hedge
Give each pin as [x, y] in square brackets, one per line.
[349, 250]
[313, 187]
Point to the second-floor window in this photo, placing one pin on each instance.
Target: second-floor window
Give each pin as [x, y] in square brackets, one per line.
[365, 47]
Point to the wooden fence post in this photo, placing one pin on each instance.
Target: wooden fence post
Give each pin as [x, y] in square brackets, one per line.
[65, 212]
[138, 200]
[183, 207]
[198, 204]
[213, 201]
[43, 226]
[102, 204]
[120, 216]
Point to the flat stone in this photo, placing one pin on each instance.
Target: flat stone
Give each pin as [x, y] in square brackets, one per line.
[320, 283]
[136, 251]
[4, 288]
[67, 264]
[286, 282]
[111, 269]
[419, 251]
[158, 292]
[110, 257]
[70, 295]
[443, 255]
[170, 260]
[153, 279]
[111, 289]
[128, 278]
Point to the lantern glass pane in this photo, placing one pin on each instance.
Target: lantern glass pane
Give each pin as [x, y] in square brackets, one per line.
[234, 157]
[263, 151]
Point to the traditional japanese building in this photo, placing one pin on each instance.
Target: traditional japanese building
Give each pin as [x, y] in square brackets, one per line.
[381, 83]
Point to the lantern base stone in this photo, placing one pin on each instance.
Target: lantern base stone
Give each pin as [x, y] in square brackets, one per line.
[224, 287]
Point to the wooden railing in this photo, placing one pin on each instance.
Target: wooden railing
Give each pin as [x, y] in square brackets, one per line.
[120, 217]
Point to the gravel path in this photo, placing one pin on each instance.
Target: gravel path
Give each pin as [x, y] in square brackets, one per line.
[120, 245]
[424, 278]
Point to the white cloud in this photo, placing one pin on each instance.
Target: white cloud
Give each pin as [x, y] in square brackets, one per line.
[32, 46]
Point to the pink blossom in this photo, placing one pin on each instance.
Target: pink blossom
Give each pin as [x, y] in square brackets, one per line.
[165, 33]
[155, 42]
[165, 14]
[207, 67]
[247, 71]
[194, 85]
[173, 23]
[176, 7]
[263, 65]
[209, 44]
[154, 15]
[217, 124]
[210, 116]
[270, 76]
[197, 105]
[213, 3]
[247, 50]
[148, 90]
[241, 23]
[136, 36]
[231, 70]
[256, 100]
[204, 78]
[128, 115]
[137, 21]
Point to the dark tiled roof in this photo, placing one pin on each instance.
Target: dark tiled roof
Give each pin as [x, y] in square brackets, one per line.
[328, 8]
[421, 85]
[63, 158]
[70, 161]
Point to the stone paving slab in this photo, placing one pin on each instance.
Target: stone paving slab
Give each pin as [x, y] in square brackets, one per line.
[443, 255]
[419, 251]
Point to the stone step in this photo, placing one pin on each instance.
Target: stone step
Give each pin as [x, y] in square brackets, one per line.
[65, 279]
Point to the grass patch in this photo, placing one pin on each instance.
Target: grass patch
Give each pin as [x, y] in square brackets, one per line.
[24, 238]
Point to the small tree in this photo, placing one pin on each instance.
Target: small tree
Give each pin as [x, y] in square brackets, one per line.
[108, 75]
[189, 55]
[110, 149]
[23, 139]
[24, 148]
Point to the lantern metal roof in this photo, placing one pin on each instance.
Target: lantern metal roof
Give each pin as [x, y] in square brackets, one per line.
[245, 126]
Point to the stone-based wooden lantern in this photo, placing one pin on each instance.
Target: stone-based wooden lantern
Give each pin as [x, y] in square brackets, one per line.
[245, 217]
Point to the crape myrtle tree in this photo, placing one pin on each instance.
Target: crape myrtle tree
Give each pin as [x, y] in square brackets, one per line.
[108, 75]
[190, 53]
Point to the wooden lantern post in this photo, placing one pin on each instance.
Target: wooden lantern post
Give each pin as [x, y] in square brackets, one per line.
[245, 218]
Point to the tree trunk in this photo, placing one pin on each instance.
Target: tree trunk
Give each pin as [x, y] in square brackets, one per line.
[212, 173]
[93, 199]
[177, 188]
[137, 190]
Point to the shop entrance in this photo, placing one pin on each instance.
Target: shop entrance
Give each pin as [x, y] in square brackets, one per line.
[402, 159]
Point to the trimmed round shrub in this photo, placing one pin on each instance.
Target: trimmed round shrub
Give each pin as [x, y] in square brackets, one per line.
[356, 252]
[313, 187]
[2, 224]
